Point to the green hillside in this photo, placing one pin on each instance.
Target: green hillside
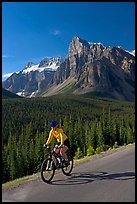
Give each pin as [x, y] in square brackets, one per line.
[8, 94]
[88, 121]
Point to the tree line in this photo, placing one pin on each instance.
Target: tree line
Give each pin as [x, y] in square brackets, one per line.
[89, 122]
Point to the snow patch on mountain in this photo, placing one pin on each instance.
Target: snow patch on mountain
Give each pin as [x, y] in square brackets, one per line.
[47, 64]
[99, 43]
[132, 53]
[32, 69]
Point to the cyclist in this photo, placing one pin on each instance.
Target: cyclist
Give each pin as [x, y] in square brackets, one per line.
[62, 139]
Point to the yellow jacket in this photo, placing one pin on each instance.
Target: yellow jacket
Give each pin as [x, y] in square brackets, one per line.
[59, 134]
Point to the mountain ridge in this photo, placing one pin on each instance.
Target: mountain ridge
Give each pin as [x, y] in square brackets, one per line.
[88, 67]
[95, 68]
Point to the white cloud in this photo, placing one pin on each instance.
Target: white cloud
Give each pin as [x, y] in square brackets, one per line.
[56, 32]
[6, 56]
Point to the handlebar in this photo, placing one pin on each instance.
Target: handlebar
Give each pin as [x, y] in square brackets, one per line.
[47, 146]
[50, 146]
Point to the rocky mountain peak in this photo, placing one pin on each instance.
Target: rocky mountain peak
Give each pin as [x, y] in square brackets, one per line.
[78, 46]
[95, 67]
[29, 64]
[49, 61]
[77, 39]
[88, 67]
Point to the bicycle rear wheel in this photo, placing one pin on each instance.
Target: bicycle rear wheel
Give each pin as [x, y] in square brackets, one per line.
[67, 169]
[47, 170]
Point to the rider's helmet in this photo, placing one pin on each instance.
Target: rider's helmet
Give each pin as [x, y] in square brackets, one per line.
[53, 123]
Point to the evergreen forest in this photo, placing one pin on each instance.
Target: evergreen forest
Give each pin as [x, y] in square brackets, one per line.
[89, 122]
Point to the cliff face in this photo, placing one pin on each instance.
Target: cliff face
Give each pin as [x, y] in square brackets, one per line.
[94, 67]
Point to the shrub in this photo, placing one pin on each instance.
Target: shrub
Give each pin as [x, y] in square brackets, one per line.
[105, 147]
[90, 151]
[99, 149]
[115, 145]
[78, 154]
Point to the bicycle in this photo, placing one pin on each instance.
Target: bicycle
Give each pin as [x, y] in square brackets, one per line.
[50, 164]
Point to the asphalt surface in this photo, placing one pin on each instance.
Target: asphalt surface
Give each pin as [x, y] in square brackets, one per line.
[109, 178]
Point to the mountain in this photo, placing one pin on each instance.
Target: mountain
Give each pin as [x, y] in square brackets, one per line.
[8, 94]
[89, 68]
[33, 78]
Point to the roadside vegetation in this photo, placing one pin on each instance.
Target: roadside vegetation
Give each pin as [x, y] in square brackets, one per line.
[17, 182]
[93, 125]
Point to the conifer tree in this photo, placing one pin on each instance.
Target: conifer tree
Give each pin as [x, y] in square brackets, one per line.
[100, 138]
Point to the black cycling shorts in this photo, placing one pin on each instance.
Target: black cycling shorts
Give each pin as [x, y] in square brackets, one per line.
[66, 142]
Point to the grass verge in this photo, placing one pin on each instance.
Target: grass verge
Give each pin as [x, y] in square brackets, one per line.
[24, 179]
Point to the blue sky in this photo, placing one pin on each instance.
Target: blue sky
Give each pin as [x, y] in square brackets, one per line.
[34, 30]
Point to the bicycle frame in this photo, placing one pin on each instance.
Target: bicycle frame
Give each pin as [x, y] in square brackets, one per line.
[49, 165]
[55, 155]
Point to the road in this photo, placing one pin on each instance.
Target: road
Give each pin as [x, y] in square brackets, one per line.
[109, 178]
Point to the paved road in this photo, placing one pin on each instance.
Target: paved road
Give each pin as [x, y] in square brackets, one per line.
[110, 178]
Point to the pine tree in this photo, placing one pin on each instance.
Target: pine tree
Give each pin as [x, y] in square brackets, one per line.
[39, 150]
[100, 138]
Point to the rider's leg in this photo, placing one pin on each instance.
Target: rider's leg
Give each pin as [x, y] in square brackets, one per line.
[56, 149]
[63, 151]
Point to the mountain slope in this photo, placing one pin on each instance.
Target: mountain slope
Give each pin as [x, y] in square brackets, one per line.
[95, 68]
[33, 78]
[8, 94]
[87, 68]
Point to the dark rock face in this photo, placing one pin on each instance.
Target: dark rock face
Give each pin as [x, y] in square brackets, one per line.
[98, 68]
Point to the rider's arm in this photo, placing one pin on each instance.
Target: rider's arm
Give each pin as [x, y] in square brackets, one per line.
[50, 137]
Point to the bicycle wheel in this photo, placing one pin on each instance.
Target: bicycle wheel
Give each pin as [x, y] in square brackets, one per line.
[47, 170]
[67, 169]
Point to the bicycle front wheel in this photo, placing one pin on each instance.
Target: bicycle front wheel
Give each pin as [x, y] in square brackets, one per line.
[67, 168]
[47, 170]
